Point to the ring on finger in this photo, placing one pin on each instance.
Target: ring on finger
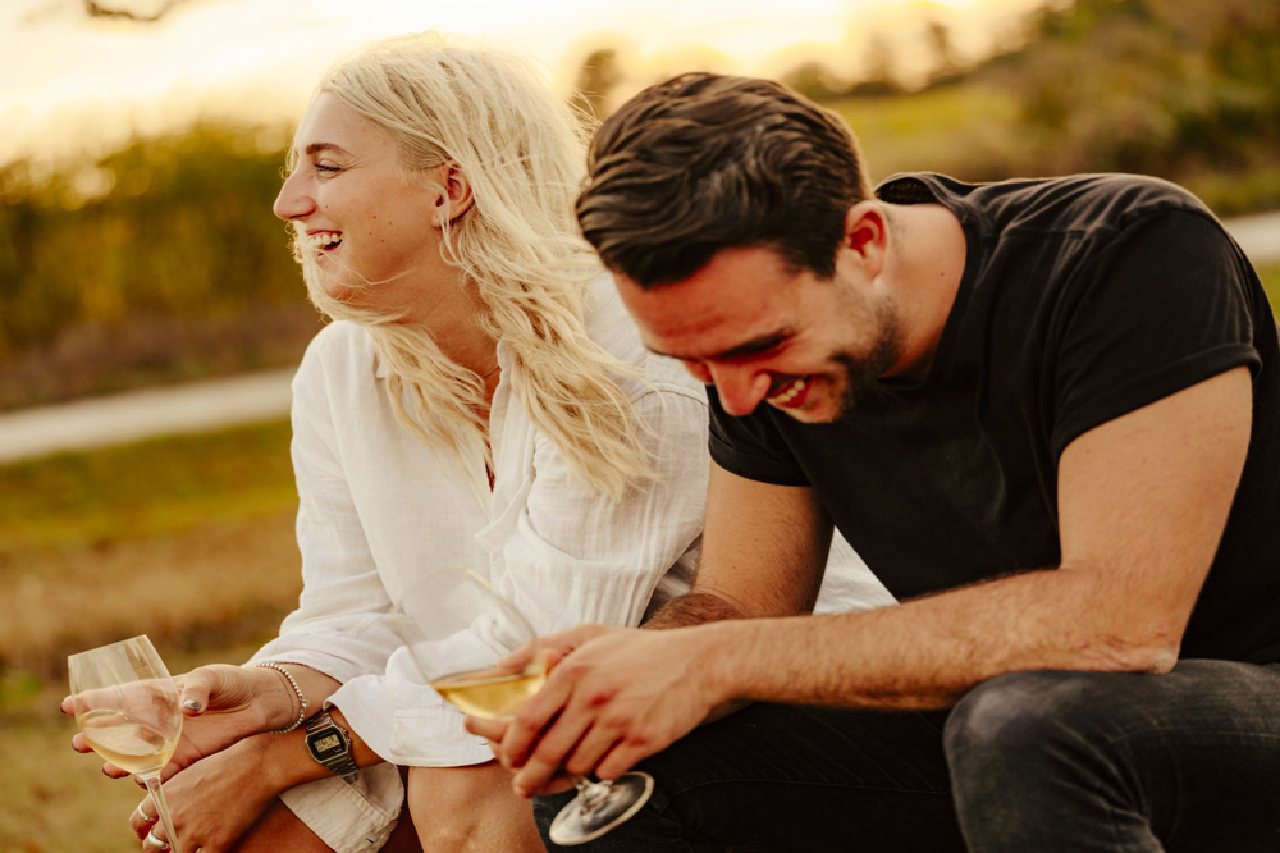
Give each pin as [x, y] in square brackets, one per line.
[151, 842]
[139, 813]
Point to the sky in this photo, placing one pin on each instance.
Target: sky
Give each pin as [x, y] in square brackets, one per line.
[70, 85]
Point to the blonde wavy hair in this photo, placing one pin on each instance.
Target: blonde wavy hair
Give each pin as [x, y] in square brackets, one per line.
[522, 148]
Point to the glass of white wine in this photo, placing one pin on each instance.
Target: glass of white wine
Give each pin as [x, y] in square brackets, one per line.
[126, 705]
[457, 628]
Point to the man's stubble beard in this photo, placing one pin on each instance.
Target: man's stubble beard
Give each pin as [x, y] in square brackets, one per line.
[862, 374]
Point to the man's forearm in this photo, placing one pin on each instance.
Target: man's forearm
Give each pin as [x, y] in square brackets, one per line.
[693, 608]
[927, 653]
[697, 608]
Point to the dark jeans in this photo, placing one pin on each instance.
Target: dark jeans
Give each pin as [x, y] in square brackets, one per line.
[1033, 761]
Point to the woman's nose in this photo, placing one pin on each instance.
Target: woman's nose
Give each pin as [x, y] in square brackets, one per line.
[293, 202]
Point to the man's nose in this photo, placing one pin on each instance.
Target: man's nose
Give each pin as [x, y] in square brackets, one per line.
[293, 202]
[740, 388]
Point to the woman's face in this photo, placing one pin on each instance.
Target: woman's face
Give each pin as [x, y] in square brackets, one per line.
[364, 225]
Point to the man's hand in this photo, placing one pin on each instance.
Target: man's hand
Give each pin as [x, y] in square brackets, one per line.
[549, 650]
[612, 701]
[222, 704]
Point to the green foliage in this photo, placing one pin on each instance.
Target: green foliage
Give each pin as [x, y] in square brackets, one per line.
[173, 234]
[1158, 86]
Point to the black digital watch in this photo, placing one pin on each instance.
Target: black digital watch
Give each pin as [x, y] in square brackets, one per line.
[330, 745]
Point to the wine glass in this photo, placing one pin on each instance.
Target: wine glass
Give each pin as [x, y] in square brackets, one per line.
[456, 628]
[126, 705]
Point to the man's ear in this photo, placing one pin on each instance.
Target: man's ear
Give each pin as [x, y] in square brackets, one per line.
[866, 235]
[453, 196]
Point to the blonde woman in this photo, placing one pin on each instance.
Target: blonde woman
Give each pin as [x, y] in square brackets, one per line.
[481, 400]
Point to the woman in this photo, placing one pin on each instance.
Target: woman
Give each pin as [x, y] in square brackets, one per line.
[481, 400]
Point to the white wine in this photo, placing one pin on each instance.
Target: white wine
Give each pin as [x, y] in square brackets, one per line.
[127, 743]
[484, 693]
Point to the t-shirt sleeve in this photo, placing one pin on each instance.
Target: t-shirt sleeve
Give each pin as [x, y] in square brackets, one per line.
[1166, 307]
[751, 446]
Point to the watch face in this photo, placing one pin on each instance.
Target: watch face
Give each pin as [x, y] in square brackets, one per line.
[326, 743]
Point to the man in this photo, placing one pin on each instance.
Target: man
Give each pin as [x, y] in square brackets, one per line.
[1046, 412]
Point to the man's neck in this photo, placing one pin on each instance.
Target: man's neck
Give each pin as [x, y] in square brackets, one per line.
[928, 263]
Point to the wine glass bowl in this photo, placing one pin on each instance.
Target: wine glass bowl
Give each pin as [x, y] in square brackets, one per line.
[126, 705]
[458, 630]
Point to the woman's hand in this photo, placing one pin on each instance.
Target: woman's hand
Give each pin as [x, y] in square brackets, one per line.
[213, 802]
[222, 705]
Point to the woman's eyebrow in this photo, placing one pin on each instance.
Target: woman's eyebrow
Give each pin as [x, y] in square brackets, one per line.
[318, 147]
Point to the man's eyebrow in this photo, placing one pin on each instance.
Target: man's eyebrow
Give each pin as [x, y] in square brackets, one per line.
[755, 346]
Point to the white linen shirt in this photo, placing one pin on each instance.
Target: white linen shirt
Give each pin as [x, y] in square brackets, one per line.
[379, 511]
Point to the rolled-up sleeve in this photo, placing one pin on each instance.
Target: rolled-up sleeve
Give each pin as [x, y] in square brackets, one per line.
[340, 626]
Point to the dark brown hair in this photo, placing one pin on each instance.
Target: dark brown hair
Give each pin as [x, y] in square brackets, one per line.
[704, 162]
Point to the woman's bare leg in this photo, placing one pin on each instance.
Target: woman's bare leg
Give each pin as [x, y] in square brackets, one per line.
[459, 809]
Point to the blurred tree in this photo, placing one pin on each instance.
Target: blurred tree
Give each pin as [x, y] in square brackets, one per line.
[879, 74]
[944, 64]
[599, 74]
[1155, 85]
[816, 80]
[143, 11]
[138, 11]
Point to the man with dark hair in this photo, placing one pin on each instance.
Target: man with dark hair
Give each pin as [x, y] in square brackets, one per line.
[1047, 414]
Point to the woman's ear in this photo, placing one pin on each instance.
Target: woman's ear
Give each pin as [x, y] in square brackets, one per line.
[453, 195]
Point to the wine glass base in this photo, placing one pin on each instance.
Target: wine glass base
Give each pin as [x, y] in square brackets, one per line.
[583, 820]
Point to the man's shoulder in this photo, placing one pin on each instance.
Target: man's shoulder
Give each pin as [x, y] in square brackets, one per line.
[1072, 203]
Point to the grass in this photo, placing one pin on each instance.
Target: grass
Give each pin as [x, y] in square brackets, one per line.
[53, 799]
[188, 539]
[140, 490]
[964, 131]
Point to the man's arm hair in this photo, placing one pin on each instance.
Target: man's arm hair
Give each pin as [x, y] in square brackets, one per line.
[692, 608]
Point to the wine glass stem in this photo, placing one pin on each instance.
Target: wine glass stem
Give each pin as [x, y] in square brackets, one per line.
[152, 781]
[591, 793]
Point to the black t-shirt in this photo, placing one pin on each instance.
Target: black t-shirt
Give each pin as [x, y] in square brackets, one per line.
[1082, 298]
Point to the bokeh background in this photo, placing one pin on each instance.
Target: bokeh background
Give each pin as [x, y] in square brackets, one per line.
[143, 142]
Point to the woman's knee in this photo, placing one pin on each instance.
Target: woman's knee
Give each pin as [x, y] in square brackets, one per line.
[280, 829]
[469, 808]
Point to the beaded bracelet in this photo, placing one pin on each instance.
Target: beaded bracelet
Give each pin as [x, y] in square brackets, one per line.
[297, 691]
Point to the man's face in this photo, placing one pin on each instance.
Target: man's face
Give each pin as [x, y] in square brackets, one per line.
[761, 330]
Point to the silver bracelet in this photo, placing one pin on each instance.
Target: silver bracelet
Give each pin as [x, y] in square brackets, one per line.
[297, 691]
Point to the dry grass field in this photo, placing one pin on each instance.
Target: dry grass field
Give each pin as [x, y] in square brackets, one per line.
[189, 540]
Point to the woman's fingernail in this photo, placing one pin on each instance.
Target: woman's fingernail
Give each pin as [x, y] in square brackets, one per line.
[191, 704]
